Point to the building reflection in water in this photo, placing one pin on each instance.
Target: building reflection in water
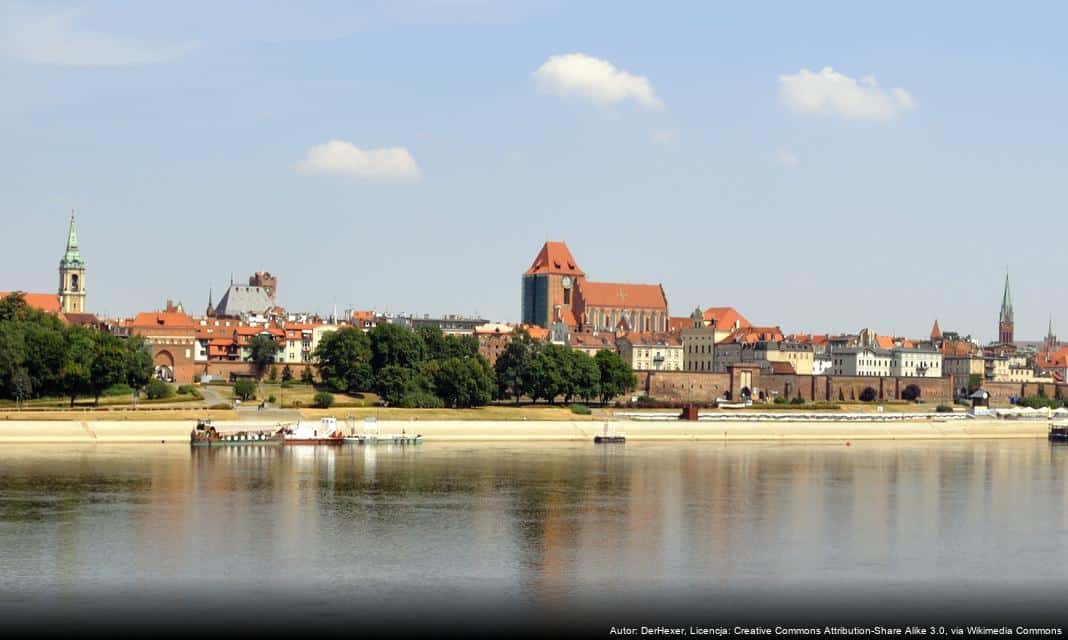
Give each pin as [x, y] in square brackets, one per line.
[537, 522]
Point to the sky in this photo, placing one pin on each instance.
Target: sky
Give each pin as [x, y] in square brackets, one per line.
[819, 166]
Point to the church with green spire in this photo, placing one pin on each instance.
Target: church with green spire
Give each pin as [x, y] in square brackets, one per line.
[1005, 319]
[72, 275]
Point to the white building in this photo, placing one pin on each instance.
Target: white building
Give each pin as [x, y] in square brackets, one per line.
[916, 363]
[861, 361]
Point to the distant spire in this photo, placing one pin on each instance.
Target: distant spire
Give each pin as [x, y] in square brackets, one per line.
[71, 257]
[936, 332]
[1049, 333]
[1006, 301]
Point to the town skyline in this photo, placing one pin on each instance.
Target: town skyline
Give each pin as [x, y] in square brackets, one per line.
[410, 158]
[338, 309]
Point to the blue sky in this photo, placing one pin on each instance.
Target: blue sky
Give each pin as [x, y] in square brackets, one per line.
[700, 145]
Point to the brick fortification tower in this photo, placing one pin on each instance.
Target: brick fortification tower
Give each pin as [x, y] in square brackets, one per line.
[1005, 322]
[72, 275]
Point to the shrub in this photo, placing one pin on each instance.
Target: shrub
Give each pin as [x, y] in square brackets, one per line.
[272, 399]
[185, 389]
[306, 376]
[781, 400]
[420, 400]
[868, 395]
[580, 409]
[220, 405]
[910, 393]
[245, 389]
[798, 400]
[297, 404]
[272, 374]
[120, 389]
[157, 389]
[286, 384]
[943, 408]
[287, 374]
[196, 378]
[324, 399]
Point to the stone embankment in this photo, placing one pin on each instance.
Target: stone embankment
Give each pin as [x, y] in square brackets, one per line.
[177, 431]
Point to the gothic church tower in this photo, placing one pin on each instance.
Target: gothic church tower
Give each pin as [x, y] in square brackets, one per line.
[72, 275]
[1005, 322]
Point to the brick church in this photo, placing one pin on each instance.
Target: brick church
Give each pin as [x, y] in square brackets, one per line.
[555, 289]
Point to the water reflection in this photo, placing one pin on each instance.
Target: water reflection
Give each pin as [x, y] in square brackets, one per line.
[540, 523]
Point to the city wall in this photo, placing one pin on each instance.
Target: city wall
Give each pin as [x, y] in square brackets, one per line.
[683, 386]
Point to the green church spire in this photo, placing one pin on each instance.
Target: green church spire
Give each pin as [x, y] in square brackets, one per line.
[1006, 302]
[72, 258]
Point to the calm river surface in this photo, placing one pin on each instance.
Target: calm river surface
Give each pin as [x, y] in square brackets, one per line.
[533, 526]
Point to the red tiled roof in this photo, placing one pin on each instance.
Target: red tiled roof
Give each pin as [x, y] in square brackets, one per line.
[725, 317]
[592, 341]
[168, 319]
[749, 335]
[621, 295]
[884, 342]
[47, 302]
[782, 368]
[677, 324]
[556, 258]
[957, 348]
[536, 332]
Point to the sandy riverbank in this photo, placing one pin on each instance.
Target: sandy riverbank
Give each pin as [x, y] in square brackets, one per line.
[452, 430]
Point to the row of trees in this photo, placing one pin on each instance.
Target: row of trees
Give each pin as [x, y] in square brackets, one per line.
[421, 368]
[41, 356]
[545, 371]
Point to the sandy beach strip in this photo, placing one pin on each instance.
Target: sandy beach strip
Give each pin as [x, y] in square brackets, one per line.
[635, 431]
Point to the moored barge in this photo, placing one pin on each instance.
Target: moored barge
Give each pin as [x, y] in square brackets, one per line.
[206, 435]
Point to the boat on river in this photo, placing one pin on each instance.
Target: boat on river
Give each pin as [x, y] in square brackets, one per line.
[206, 435]
[371, 436]
[1058, 431]
[609, 435]
[325, 431]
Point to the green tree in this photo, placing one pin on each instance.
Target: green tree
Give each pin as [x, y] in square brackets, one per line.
[393, 382]
[512, 366]
[616, 375]
[586, 377]
[262, 352]
[464, 382]
[287, 374]
[245, 389]
[76, 373]
[975, 380]
[108, 366]
[344, 358]
[306, 376]
[542, 378]
[139, 367]
[394, 344]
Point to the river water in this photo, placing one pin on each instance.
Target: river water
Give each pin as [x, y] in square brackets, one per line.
[604, 532]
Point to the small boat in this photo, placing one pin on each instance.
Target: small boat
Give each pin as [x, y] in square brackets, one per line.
[206, 435]
[1058, 431]
[323, 432]
[609, 436]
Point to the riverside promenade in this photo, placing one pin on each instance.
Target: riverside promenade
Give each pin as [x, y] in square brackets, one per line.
[177, 431]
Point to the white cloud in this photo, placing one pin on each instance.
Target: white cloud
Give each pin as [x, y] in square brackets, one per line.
[55, 37]
[829, 93]
[344, 158]
[599, 81]
[663, 136]
[786, 159]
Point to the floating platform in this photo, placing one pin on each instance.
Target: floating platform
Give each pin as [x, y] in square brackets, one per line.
[206, 435]
[609, 439]
[1058, 433]
[384, 439]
